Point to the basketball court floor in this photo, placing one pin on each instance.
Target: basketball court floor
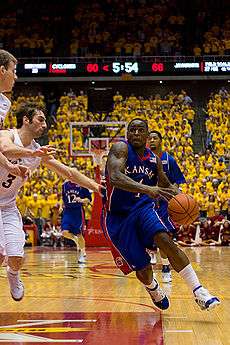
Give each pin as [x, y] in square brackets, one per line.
[95, 304]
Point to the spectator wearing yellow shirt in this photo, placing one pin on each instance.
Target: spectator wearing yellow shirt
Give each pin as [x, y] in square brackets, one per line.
[203, 201]
[212, 206]
[224, 199]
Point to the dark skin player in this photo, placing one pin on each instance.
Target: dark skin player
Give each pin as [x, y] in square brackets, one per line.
[137, 136]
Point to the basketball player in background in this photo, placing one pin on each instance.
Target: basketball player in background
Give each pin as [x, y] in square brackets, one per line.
[20, 144]
[73, 219]
[132, 222]
[7, 79]
[175, 176]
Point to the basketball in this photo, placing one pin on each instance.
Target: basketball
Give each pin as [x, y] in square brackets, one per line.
[183, 209]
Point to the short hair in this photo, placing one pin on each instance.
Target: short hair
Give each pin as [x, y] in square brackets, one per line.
[138, 119]
[156, 132]
[27, 109]
[6, 58]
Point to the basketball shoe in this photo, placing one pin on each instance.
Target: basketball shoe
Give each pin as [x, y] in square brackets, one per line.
[16, 286]
[82, 257]
[166, 274]
[204, 299]
[159, 298]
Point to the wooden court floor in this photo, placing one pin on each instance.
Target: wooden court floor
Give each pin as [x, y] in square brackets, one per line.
[94, 303]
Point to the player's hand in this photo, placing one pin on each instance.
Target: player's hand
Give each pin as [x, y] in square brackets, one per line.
[165, 193]
[96, 187]
[44, 151]
[19, 170]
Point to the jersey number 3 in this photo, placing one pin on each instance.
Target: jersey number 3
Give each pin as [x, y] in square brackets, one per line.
[9, 181]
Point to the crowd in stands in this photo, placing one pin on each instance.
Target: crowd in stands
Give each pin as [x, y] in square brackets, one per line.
[173, 115]
[111, 27]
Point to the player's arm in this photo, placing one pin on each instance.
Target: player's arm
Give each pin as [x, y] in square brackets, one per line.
[11, 150]
[116, 167]
[71, 174]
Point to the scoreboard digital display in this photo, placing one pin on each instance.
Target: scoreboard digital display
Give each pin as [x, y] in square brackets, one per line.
[118, 68]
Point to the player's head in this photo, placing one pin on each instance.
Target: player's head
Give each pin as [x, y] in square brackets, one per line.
[155, 140]
[7, 71]
[31, 117]
[137, 133]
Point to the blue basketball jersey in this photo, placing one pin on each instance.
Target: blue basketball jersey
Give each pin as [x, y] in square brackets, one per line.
[171, 169]
[70, 193]
[140, 169]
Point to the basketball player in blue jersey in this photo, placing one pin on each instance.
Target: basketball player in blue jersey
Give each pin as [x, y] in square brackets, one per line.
[73, 219]
[134, 177]
[175, 176]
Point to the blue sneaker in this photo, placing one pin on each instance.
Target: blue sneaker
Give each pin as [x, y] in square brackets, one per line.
[204, 299]
[159, 298]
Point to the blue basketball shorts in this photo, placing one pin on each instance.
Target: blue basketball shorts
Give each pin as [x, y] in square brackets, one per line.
[131, 234]
[162, 211]
[72, 221]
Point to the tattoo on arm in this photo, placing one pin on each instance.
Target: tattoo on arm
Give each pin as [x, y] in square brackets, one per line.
[116, 167]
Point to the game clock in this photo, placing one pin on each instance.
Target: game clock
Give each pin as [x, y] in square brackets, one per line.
[126, 67]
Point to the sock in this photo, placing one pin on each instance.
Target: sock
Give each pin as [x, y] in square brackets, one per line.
[165, 262]
[190, 277]
[153, 285]
[9, 269]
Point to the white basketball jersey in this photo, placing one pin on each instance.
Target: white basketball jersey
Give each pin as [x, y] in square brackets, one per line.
[10, 184]
[5, 105]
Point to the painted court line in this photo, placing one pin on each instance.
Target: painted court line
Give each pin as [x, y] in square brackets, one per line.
[42, 322]
[70, 320]
[26, 338]
[179, 331]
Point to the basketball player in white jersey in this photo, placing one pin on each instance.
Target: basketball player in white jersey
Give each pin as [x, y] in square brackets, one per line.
[19, 143]
[7, 79]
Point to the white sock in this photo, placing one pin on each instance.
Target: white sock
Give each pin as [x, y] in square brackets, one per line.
[9, 269]
[165, 262]
[152, 285]
[190, 277]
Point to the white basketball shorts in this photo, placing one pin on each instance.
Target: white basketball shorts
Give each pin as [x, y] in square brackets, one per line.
[12, 236]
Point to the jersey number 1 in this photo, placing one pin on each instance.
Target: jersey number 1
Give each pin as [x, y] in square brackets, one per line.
[138, 194]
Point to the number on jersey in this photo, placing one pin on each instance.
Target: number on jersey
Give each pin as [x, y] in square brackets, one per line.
[72, 198]
[9, 181]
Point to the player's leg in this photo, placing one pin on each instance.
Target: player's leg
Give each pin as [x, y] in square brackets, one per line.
[68, 234]
[181, 264]
[15, 240]
[82, 256]
[124, 233]
[164, 216]
[166, 271]
[2, 241]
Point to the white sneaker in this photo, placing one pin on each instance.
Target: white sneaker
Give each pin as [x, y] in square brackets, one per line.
[159, 297]
[16, 286]
[166, 277]
[82, 258]
[204, 299]
[153, 257]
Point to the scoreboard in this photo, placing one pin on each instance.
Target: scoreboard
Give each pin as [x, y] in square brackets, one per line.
[47, 68]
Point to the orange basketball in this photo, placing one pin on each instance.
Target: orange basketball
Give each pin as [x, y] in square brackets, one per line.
[183, 209]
